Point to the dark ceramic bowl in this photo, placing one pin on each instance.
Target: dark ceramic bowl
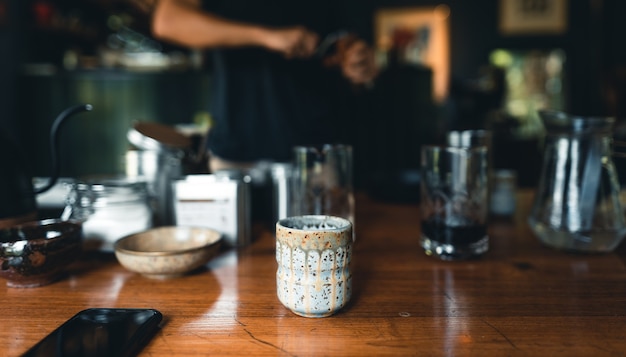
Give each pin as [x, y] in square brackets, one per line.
[37, 253]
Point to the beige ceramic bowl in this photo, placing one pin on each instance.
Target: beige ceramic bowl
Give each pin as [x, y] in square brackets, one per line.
[167, 252]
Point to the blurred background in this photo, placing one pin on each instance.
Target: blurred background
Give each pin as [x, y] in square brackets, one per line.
[453, 64]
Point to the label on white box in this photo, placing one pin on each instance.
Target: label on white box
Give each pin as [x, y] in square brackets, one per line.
[209, 203]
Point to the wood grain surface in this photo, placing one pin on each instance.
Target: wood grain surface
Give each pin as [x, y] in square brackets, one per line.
[521, 298]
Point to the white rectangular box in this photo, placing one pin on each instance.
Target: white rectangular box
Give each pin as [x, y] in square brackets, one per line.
[221, 203]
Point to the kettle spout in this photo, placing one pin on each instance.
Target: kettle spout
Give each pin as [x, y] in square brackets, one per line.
[54, 139]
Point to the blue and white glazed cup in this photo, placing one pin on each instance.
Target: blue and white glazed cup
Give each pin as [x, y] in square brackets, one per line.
[313, 252]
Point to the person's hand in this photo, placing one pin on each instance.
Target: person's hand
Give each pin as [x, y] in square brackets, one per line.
[292, 42]
[355, 59]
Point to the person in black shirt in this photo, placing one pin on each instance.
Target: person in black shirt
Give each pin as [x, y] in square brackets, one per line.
[272, 88]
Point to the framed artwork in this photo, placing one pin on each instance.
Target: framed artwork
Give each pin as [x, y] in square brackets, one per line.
[421, 35]
[533, 17]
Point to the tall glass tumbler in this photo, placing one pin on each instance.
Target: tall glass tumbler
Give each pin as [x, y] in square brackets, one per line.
[454, 197]
[472, 138]
[322, 181]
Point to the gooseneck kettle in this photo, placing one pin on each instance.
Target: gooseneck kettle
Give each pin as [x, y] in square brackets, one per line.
[17, 194]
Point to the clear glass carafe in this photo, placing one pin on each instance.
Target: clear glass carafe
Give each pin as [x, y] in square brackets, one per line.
[577, 205]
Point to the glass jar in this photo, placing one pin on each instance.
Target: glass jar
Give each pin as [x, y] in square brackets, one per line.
[502, 198]
[109, 209]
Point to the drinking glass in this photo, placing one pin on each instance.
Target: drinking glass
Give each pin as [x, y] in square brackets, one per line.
[454, 197]
[322, 181]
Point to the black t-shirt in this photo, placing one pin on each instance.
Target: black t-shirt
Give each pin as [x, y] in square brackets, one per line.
[264, 104]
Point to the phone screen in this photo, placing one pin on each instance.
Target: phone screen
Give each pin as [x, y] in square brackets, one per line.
[100, 332]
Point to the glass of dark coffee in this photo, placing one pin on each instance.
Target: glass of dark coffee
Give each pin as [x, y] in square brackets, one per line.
[454, 201]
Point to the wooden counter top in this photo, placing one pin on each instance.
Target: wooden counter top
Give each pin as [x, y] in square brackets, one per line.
[521, 298]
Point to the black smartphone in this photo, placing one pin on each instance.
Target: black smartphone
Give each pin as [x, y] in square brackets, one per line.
[100, 332]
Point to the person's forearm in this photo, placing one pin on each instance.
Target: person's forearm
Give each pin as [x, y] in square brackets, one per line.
[184, 23]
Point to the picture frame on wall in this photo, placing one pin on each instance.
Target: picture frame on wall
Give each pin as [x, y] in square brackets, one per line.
[533, 17]
[423, 35]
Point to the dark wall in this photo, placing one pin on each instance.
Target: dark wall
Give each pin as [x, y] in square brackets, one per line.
[472, 27]
[10, 37]
[593, 43]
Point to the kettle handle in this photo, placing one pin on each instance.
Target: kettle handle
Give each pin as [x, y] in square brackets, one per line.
[54, 139]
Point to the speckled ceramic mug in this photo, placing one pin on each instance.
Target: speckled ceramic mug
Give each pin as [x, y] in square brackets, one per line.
[313, 254]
